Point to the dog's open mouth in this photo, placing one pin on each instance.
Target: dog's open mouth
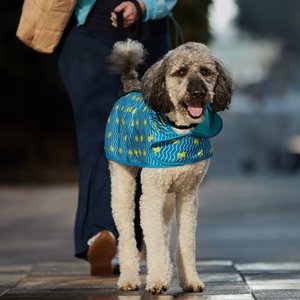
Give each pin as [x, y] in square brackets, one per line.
[194, 110]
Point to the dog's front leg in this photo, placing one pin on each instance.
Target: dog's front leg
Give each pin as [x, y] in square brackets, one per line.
[123, 183]
[152, 218]
[168, 212]
[186, 216]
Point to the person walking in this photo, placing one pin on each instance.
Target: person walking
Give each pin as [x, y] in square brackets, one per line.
[93, 90]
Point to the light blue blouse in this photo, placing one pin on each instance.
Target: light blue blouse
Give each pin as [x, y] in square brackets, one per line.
[155, 9]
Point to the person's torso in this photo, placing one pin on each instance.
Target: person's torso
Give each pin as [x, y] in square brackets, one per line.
[99, 17]
[98, 20]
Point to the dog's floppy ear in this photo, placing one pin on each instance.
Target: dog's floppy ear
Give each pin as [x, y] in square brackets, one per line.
[223, 89]
[154, 88]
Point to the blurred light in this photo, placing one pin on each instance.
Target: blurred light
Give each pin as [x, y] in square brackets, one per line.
[221, 14]
[249, 58]
[294, 144]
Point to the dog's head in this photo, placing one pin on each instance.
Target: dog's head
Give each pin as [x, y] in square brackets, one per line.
[185, 82]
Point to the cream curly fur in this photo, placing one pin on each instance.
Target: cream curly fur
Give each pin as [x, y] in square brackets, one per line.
[188, 74]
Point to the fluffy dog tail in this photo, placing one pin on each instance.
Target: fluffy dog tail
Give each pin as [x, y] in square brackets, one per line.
[125, 58]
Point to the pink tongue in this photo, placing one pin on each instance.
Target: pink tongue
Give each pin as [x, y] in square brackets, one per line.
[195, 111]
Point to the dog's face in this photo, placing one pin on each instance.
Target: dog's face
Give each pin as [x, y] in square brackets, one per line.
[185, 82]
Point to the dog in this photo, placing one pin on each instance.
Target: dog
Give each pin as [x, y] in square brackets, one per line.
[174, 105]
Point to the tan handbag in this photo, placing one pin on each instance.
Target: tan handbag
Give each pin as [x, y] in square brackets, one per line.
[42, 23]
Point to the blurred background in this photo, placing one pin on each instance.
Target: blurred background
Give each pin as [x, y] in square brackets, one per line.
[250, 204]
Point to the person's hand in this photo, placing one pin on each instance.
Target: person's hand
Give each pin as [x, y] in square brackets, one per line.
[130, 13]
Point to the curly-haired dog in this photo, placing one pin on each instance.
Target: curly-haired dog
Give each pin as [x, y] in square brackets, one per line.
[165, 130]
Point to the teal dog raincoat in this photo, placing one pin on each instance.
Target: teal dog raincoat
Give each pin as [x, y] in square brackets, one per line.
[138, 136]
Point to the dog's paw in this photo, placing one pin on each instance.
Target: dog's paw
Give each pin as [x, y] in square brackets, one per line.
[157, 289]
[129, 287]
[194, 287]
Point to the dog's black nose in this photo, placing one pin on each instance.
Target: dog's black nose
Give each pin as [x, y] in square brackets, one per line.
[198, 94]
[197, 88]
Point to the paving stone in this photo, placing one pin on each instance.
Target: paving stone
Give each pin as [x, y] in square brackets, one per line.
[186, 297]
[223, 279]
[215, 266]
[76, 295]
[226, 288]
[275, 284]
[220, 297]
[272, 280]
[277, 294]
[4, 289]
[218, 263]
[268, 267]
[220, 277]
[63, 269]
[67, 283]
[83, 287]
[11, 268]
[271, 276]
[95, 296]
[10, 279]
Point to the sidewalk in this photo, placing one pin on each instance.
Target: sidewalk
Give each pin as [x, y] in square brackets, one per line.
[240, 219]
[245, 220]
[224, 280]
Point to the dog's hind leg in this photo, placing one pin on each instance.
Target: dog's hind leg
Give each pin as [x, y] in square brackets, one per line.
[123, 183]
[186, 216]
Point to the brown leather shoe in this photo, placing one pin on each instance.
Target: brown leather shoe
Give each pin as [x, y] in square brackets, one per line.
[101, 253]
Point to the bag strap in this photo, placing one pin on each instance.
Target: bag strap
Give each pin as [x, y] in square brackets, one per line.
[120, 26]
[179, 39]
[139, 21]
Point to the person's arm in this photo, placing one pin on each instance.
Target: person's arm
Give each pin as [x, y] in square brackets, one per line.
[152, 10]
[82, 10]
[157, 9]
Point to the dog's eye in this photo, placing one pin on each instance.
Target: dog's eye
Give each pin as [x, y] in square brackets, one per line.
[181, 72]
[204, 71]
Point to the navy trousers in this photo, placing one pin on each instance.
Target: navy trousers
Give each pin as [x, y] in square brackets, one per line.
[83, 65]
